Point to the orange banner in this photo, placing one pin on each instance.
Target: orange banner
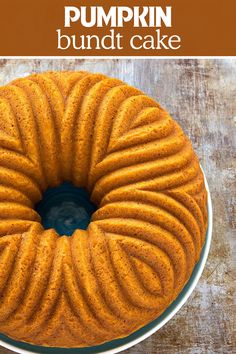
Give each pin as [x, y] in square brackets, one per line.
[111, 28]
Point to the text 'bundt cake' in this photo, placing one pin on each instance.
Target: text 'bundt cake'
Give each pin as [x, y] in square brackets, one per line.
[144, 239]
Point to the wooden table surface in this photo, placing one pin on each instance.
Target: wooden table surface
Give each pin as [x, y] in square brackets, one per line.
[201, 96]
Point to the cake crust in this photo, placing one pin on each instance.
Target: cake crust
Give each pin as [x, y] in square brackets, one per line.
[143, 241]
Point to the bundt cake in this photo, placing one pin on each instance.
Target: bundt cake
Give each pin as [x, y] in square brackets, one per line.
[146, 235]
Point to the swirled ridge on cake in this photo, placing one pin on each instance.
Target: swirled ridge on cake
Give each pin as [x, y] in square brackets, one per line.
[146, 236]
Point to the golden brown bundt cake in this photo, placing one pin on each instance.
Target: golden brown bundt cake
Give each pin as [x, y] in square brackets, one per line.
[146, 235]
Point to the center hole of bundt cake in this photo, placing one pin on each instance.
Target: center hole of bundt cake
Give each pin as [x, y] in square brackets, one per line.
[65, 208]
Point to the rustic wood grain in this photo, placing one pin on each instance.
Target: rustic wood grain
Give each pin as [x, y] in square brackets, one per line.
[201, 95]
